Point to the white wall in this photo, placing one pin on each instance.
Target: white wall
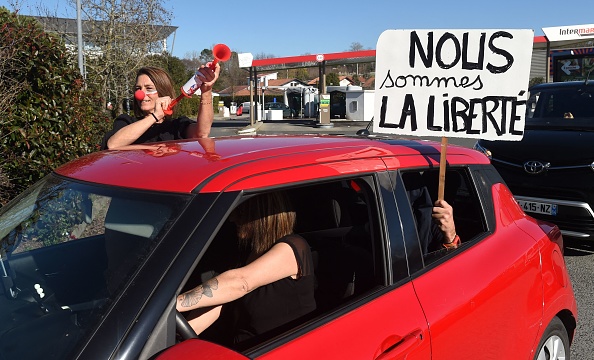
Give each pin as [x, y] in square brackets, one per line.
[344, 82]
[359, 105]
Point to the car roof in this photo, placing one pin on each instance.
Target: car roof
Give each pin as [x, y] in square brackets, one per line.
[244, 162]
[562, 85]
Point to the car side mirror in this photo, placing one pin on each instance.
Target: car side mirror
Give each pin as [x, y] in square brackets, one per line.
[195, 348]
[363, 132]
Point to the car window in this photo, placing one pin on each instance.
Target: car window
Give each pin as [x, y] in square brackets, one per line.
[459, 191]
[571, 103]
[67, 249]
[339, 221]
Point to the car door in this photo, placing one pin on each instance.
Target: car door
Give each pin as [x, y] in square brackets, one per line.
[483, 299]
[391, 326]
[386, 322]
[378, 315]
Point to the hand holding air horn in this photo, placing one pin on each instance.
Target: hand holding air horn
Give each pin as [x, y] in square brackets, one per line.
[221, 52]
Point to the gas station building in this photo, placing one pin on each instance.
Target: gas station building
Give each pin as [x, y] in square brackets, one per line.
[563, 54]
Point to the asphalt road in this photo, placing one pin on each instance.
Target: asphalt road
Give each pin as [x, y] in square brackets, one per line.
[579, 254]
[579, 257]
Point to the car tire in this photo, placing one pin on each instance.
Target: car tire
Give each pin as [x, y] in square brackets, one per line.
[554, 344]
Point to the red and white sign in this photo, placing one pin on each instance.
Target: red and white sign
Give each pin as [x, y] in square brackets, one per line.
[571, 32]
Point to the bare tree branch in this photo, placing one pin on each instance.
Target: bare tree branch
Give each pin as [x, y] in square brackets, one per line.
[123, 33]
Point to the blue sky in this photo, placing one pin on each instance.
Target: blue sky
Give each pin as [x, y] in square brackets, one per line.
[291, 28]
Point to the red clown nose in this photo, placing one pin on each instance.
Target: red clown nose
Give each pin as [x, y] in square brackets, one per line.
[139, 95]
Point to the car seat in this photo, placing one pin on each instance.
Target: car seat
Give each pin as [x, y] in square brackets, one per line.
[342, 267]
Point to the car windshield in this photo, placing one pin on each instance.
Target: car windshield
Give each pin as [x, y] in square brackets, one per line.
[67, 251]
[561, 108]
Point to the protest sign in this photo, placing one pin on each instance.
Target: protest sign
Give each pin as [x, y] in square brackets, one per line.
[452, 83]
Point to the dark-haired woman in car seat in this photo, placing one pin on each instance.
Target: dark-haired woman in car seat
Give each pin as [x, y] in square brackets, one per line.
[276, 283]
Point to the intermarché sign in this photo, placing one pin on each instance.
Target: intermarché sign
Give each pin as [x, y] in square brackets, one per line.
[572, 32]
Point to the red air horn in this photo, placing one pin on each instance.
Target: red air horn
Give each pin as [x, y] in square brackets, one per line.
[221, 52]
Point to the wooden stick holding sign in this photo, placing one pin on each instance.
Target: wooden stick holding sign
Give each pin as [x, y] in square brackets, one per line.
[442, 168]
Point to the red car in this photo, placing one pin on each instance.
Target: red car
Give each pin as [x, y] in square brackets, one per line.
[94, 255]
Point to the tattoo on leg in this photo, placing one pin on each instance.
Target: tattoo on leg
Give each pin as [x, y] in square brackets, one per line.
[192, 297]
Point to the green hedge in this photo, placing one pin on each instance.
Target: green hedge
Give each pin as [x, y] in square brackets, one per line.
[54, 117]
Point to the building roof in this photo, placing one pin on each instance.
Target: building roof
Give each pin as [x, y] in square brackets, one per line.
[313, 60]
[273, 84]
[68, 27]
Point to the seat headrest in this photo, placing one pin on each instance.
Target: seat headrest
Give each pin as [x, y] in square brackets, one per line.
[323, 208]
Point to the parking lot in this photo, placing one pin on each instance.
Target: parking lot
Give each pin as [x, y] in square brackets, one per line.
[579, 254]
[241, 125]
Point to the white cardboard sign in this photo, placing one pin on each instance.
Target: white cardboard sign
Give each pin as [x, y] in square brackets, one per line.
[452, 83]
[245, 59]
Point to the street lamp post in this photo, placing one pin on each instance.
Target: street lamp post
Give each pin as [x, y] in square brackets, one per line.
[81, 65]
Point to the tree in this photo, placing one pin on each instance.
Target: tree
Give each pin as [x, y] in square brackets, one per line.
[206, 56]
[358, 68]
[122, 34]
[263, 55]
[300, 73]
[176, 68]
[10, 63]
[231, 74]
[192, 60]
[180, 74]
[332, 79]
[51, 118]
[536, 80]
[356, 46]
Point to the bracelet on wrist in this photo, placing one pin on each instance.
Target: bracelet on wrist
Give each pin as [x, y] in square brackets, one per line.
[454, 243]
[205, 102]
[155, 116]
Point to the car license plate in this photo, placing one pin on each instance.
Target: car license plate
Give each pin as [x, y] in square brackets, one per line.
[538, 207]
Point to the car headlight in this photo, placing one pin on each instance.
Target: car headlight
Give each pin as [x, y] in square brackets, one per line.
[592, 166]
[486, 151]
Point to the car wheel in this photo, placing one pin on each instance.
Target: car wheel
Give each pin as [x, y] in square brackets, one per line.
[183, 327]
[554, 344]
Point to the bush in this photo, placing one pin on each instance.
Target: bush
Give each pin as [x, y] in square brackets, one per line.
[535, 81]
[332, 79]
[53, 118]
